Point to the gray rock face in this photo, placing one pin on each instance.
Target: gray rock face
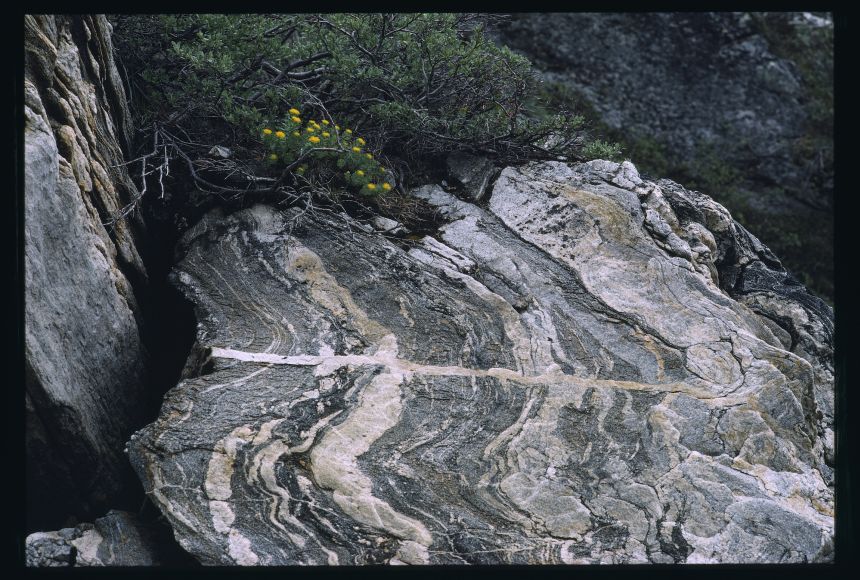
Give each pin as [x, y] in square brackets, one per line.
[85, 359]
[736, 101]
[117, 539]
[557, 379]
[738, 96]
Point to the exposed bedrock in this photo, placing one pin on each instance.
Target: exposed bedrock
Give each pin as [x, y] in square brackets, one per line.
[596, 368]
[85, 356]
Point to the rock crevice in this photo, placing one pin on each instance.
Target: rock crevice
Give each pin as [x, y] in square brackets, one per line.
[96, 346]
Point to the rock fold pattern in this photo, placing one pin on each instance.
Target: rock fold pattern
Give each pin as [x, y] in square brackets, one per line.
[562, 377]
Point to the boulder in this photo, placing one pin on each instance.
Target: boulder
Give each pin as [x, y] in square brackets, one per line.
[596, 368]
[117, 539]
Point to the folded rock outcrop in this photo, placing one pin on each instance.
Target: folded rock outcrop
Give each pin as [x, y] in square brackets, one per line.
[595, 368]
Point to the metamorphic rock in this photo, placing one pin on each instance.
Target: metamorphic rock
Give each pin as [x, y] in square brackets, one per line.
[587, 368]
[584, 367]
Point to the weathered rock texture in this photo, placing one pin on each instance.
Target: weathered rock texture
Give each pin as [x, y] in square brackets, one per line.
[737, 103]
[118, 539]
[557, 379]
[84, 355]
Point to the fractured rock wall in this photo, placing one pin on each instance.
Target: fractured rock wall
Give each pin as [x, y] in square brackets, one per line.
[84, 355]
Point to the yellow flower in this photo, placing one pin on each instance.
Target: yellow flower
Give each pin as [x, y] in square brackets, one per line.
[280, 134]
[310, 129]
[267, 131]
[359, 172]
[349, 131]
[296, 120]
[294, 112]
[371, 186]
[314, 139]
[326, 134]
[360, 141]
[386, 186]
[273, 157]
[357, 149]
[337, 127]
[325, 122]
[368, 155]
[296, 134]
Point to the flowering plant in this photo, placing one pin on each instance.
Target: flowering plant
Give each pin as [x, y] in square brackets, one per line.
[315, 152]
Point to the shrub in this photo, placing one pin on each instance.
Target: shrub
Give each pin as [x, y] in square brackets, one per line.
[419, 86]
[600, 149]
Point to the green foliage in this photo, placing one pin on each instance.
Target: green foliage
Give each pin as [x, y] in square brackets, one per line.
[558, 96]
[419, 85]
[599, 149]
